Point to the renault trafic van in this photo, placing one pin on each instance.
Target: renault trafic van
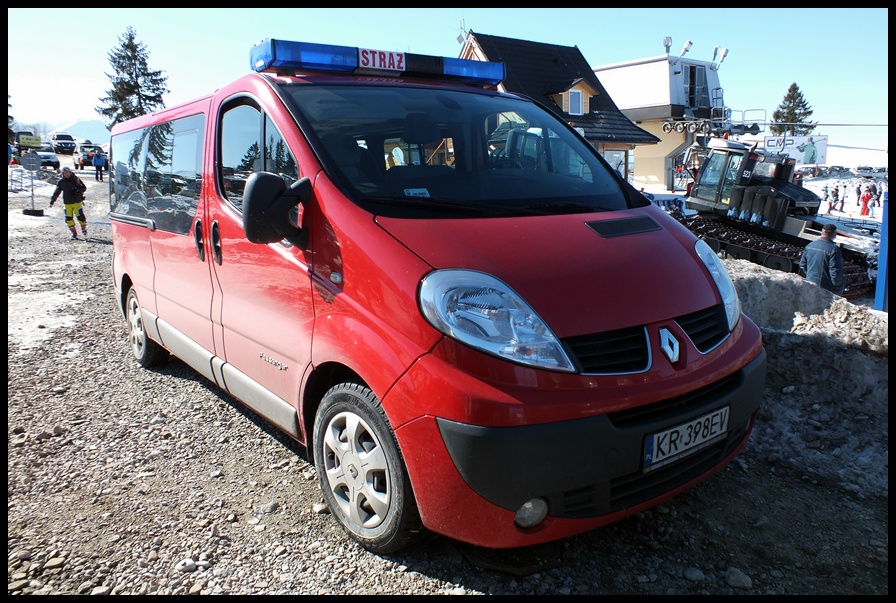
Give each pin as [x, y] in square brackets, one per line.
[485, 334]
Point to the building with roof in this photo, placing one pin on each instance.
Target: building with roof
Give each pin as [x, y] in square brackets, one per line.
[680, 100]
[560, 77]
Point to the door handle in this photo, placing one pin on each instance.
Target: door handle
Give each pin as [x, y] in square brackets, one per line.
[216, 242]
[197, 236]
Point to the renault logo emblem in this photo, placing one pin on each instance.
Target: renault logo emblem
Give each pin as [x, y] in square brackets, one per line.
[669, 345]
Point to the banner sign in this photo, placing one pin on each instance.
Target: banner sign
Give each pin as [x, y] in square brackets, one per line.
[807, 150]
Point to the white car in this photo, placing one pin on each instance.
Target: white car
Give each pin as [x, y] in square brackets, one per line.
[864, 171]
[48, 157]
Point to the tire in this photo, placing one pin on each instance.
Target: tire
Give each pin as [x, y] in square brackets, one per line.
[361, 472]
[147, 352]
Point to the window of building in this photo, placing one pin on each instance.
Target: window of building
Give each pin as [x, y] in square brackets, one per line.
[576, 99]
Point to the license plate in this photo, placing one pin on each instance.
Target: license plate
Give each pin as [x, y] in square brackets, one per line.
[666, 446]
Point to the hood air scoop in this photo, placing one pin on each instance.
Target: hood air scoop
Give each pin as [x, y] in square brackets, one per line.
[624, 226]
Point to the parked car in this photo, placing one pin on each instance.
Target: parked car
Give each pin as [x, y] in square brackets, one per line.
[865, 171]
[63, 143]
[48, 157]
[808, 171]
[83, 156]
[880, 172]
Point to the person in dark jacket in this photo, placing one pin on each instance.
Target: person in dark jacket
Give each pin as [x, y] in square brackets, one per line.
[72, 190]
[822, 261]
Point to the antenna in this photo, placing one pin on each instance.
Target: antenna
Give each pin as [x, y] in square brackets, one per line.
[463, 32]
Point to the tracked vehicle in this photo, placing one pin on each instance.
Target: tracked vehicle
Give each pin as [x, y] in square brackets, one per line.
[744, 201]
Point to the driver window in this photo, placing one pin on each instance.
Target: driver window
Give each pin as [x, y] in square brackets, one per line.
[240, 152]
[251, 143]
[711, 176]
[730, 178]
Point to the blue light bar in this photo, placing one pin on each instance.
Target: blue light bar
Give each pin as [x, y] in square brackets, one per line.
[278, 55]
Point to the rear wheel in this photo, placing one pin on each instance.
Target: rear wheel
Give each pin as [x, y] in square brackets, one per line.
[361, 472]
[147, 352]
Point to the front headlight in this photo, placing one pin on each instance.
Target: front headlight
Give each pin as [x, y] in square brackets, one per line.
[479, 310]
[722, 280]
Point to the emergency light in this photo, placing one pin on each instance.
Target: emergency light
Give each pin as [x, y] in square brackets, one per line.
[277, 55]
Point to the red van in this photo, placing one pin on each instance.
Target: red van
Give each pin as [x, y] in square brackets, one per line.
[474, 325]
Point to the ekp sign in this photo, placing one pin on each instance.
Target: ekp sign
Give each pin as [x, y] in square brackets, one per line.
[807, 150]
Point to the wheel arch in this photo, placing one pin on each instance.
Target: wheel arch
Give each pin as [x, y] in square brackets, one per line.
[318, 383]
[124, 286]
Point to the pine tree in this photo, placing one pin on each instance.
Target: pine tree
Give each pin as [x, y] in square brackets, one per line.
[793, 114]
[136, 89]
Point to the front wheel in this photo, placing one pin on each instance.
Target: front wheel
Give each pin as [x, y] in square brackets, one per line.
[361, 472]
[147, 352]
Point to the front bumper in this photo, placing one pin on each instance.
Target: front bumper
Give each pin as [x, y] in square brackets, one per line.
[593, 466]
[469, 480]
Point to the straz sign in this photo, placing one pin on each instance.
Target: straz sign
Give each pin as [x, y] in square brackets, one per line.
[380, 60]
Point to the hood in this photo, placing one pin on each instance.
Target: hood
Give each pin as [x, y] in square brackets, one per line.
[582, 273]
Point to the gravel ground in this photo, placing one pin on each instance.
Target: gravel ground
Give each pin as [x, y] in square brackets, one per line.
[123, 480]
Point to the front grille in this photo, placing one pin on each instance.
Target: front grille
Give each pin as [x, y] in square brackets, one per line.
[612, 352]
[706, 328]
[628, 350]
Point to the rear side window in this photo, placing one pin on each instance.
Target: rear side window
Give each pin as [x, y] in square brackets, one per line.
[157, 173]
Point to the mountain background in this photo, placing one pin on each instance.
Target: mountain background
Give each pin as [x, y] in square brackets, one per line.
[93, 130]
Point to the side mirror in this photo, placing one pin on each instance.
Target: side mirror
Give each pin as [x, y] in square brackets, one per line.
[267, 203]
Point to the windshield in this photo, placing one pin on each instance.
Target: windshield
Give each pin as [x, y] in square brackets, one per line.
[402, 150]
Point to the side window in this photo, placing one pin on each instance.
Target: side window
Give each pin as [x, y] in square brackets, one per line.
[127, 159]
[711, 177]
[250, 143]
[174, 173]
[239, 151]
[277, 156]
[730, 178]
[156, 173]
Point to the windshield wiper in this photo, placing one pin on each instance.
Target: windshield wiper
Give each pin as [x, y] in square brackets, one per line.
[562, 207]
[434, 203]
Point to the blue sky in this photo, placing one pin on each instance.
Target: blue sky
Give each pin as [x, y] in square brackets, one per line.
[58, 58]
